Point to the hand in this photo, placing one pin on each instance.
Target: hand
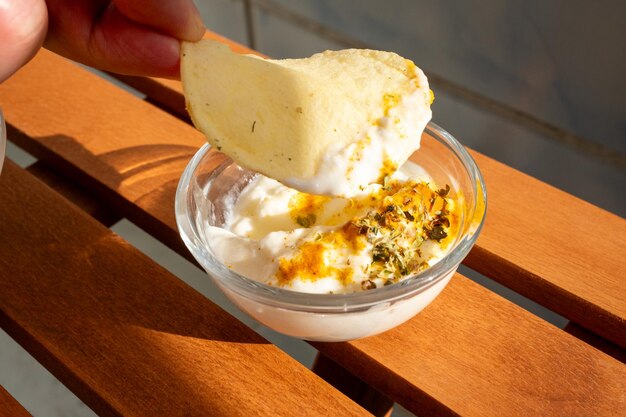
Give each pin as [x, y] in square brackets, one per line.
[23, 25]
[135, 37]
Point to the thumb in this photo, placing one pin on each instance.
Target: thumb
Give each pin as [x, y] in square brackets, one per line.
[23, 26]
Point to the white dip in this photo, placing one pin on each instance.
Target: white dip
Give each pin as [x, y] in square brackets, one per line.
[281, 237]
[383, 146]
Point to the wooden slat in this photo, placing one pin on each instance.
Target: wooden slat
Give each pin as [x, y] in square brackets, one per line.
[539, 241]
[373, 401]
[9, 407]
[471, 352]
[596, 341]
[547, 245]
[74, 193]
[477, 355]
[125, 335]
[134, 153]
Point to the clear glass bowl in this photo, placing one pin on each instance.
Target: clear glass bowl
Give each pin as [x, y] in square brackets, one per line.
[211, 181]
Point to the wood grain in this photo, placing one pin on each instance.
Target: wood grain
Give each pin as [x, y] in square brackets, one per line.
[126, 152]
[471, 352]
[370, 399]
[477, 355]
[125, 335]
[9, 407]
[74, 193]
[596, 341]
[576, 272]
[555, 249]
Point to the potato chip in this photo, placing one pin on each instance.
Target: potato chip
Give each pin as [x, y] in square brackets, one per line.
[327, 124]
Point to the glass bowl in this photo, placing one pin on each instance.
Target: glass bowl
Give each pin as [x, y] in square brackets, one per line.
[212, 181]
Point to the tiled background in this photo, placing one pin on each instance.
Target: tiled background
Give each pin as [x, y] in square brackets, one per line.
[540, 86]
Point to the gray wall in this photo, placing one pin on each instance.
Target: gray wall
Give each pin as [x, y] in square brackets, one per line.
[540, 86]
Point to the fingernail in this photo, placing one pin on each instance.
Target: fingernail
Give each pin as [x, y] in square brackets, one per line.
[196, 25]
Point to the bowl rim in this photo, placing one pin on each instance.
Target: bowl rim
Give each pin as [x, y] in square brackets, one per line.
[330, 303]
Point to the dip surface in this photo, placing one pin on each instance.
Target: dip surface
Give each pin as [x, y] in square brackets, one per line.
[318, 244]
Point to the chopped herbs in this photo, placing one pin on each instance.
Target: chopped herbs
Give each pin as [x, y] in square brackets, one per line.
[304, 208]
[399, 219]
[436, 233]
[409, 215]
[368, 284]
[306, 221]
[444, 192]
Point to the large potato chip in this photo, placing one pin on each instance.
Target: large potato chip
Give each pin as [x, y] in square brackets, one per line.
[327, 124]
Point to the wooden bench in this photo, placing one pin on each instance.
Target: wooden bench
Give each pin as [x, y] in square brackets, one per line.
[130, 339]
[9, 407]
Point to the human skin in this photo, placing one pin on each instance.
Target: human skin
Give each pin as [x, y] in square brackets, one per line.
[23, 25]
[134, 37]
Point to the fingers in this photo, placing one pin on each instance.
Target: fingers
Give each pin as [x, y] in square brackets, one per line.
[177, 18]
[120, 45]
[125, 36]
[23, 25]
[108, 40]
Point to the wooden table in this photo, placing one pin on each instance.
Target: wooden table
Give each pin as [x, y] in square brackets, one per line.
[129, 338]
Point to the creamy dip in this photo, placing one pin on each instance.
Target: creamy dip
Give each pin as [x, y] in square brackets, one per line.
[317, 244]
[383, 146]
